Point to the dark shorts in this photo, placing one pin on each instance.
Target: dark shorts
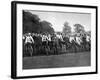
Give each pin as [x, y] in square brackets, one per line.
[44, 43]
[28, 44]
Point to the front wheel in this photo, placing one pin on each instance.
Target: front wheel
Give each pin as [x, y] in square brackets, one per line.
[30, 50]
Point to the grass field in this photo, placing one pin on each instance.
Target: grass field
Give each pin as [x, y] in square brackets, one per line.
[54, 61]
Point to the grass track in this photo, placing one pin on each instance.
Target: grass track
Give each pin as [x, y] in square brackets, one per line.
[54, 61]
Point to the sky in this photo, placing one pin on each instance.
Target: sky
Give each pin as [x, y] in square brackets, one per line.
[57, 19]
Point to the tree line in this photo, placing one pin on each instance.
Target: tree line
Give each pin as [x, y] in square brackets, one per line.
[33, 24]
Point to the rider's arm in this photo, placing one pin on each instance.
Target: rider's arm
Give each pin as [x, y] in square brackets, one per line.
[32, 39]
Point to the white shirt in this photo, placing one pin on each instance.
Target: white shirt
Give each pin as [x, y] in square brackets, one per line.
[29, 39]
[71, 38]
[78, 40]
[87, 38]
[44, 38]
[49, 38]
[60, 37]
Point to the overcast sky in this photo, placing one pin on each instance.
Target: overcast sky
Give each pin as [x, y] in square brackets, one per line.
[57, 19]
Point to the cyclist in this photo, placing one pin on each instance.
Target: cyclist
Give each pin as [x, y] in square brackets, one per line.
[28, 42]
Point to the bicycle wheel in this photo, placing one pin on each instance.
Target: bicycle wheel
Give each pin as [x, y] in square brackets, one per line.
[30, 50]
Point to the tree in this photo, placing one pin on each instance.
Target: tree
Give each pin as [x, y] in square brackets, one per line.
[88, 33]
[46, 27]
[32, 23]
[66, 28]
[78, 28]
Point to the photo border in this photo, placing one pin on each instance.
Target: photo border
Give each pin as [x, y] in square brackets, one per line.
[14, 38]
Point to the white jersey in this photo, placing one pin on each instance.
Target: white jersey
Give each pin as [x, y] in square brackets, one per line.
[78, 40]
[49, 38]
[60, 37]
[44, 38]
[71, 38]
[87, 38]
[29, 39]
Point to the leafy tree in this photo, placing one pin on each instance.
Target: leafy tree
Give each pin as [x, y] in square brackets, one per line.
[66, 28]
[32, 23]
[78, 28]
[47, 27]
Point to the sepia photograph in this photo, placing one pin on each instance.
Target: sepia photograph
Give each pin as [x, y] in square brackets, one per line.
[53, 39]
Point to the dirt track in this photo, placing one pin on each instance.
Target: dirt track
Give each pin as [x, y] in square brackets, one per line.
[53, 61]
